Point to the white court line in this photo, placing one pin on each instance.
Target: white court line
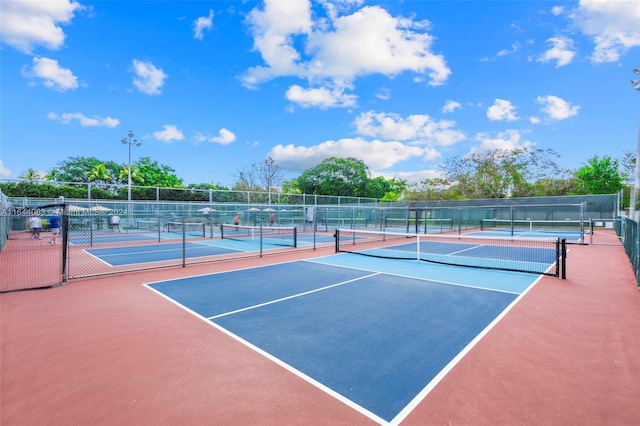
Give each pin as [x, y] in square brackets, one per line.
[434, 280]
[441, 375]
[293, 296]
[99, 259]
[455, 253]
[346, 401]
[414, 402]
[104, 257]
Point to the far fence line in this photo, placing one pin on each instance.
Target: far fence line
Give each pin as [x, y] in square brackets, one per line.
[110, 191]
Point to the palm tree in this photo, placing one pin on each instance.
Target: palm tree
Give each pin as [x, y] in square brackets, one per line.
[53, 175]
[135, 175]
[31, 175]
[101, 174]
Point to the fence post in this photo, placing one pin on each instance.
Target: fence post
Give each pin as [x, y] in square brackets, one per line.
[65, 241]
[637, 259]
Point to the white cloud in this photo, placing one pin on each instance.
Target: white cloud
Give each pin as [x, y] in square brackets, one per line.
[169, 133]
[557, 10]
[335, 51]
[335, 7]
[201, 24]
[321, 97]
[556, 108]
[534, 120]
[53, 76]
[563, 51]
[507, 140]
[384, 93]
[375, 154]
[514, 48]
[371, 41]
[502, 110]
[27, 24]
[613, 26]
[225, 137]
[410, 177]
[273, 29]
[84, 121]
[451, 106]
[419, 129]
[4, 172]
[149, 79]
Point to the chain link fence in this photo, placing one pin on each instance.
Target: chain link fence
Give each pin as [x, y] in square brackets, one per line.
[30, 256]
[83, 191]
[627, 230]
[114, 236]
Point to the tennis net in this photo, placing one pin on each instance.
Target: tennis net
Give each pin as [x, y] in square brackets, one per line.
[148, 225]
[531, 255]
[576, 227]
[196, 229]
[433, 224]
[271, 235]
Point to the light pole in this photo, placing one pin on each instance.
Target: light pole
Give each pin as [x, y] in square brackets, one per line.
[636, 183]
[130, 142]
[269, 163]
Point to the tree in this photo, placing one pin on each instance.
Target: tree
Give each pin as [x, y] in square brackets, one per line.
[549, 187]
[499, 173]
[101, 176]
[600, 176]
[385, 190]
[31, 175]
[150, 173]
[53, 175]
[628, 164]
[433, 189]
[208, 186]
[100, 172]
[345, 177]
[270, 174]
[291, 187]
[263, 176]
[123, 175]
[335, 176]
[78, 169]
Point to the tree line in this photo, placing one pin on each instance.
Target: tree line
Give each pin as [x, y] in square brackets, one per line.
[497, 173]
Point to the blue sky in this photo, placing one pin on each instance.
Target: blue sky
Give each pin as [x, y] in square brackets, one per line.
[211, 87]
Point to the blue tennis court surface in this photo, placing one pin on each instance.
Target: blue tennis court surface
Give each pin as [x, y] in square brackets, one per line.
[569, 235]
[115, 256]
[111, 238]
[116, 237]
[376, 333]
[162, 251]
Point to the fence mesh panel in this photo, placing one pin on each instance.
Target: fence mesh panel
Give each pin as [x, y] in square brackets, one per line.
[29, 258]
[152, 234]
[628, 231]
